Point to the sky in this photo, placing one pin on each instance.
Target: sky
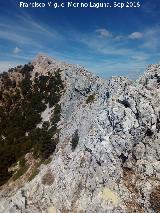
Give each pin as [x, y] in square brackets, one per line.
[107, 41]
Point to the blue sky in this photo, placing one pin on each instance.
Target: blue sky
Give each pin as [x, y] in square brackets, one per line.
[107, 41]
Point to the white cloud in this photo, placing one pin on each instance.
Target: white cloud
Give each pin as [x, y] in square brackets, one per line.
[5, 65]
[140, 57]
[27, 31]
[136, 35]
[16, 50]
[108, 47]
[119, 37]
[151, 38]
[5, 34]
[107, 68]
[104, 33]
[35, 26]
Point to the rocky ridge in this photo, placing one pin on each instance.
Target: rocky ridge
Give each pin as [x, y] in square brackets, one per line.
[107, 158]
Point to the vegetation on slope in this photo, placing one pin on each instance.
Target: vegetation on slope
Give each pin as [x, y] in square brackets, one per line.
[75, 140]
[90, 98]
[21, 105]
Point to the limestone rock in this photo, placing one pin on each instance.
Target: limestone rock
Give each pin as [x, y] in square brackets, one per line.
[115, 164]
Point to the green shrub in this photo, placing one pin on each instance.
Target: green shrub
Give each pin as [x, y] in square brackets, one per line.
[46, 161]
[26, 86]
[21, 112]
[55, 87]
[45, 125]
[90, 99]
[56, 116]
[34, 173]
[75, 140]
[23, 168]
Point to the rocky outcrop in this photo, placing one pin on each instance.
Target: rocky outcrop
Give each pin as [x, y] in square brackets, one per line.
[107, 158]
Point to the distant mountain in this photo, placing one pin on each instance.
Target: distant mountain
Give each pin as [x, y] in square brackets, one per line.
[73, 142]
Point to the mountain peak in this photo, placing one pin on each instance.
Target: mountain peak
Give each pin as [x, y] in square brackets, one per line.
[151, 76]
[73, 142]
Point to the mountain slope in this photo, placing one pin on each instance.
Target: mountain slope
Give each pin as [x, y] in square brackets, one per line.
[103, 138]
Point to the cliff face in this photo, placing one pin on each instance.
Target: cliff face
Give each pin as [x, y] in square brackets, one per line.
[107, 156]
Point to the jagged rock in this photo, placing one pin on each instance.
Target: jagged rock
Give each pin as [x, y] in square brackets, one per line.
[114, 166]
[139, 151]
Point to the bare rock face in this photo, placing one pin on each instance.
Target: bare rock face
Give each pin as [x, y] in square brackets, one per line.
[107, 158]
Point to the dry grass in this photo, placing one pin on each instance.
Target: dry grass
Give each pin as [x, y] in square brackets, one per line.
[155, 199]
[48, 178]
[129, 180]
[133, 206]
